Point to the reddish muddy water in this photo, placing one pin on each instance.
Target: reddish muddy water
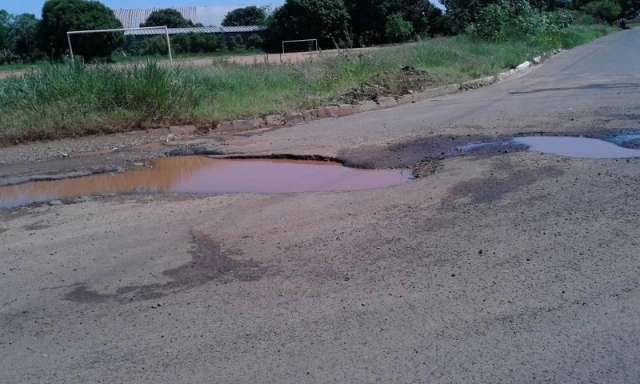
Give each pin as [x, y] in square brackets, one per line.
[202, 175]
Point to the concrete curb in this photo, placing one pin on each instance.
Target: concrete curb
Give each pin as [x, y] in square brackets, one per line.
[343, 110]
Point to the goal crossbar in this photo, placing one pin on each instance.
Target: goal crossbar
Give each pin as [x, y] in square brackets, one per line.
[164, 29]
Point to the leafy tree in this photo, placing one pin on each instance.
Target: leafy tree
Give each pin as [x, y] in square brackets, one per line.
[245, 16]
[167, 17]
[630, 8]
[605, 10]
[462, 13]
[5, 29]
[24, 30]
[369, 17]
[397, 29]
[61, 16]
[326, 20]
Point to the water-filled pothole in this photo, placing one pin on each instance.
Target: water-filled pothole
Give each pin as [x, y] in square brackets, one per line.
[620, 146]
[202, 175]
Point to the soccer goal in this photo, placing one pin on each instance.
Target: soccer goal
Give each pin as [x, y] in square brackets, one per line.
[163, 30]
[305, 45]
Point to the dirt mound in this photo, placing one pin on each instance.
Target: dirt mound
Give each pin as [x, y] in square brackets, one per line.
[405, 81]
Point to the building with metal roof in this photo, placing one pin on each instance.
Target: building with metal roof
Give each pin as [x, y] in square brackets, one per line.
[203, 16]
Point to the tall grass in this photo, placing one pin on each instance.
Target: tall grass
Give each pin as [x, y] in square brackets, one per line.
[70, 100]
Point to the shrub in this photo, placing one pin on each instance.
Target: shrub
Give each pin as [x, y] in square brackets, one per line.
[397, 29]
[560, 19]
[8, 57]
[492, 21]
[255, 41]
[605, 10]
[60, 16]
[235, 42]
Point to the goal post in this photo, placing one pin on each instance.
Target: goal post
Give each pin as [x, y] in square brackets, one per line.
[162, 30]
[313, 42]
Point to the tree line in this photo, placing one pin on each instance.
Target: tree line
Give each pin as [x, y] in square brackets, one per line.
[335, 23]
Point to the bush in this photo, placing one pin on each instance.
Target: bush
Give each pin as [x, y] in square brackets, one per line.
[492, 21]
[255, 41]
[518, 19]
[397, 29]
[235, 43]
[560, 19]
[60, 16]
[8, 57]
[605, 10]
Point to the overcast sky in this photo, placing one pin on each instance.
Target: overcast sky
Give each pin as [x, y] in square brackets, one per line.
[221, 7]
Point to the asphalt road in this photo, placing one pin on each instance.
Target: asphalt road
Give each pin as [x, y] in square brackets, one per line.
[502, 268]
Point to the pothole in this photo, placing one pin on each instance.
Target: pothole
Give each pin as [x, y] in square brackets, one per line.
[203, 175]
[621, 146]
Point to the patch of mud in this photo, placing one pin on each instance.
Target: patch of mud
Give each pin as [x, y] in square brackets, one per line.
[405, 81]
[37, 226]
[505, 179]
[596, 86]
[194, 150]
[210, 262]
[408, 154]
[9, 181]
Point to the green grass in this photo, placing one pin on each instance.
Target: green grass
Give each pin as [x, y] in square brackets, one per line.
[72, 100]
[183, 56]
[20, 67]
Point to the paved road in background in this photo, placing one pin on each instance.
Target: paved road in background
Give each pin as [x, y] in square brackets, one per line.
[512, 268]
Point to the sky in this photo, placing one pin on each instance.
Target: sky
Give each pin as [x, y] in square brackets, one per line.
[221, 6]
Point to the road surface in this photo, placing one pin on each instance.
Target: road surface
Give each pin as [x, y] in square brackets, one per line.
[504, 268]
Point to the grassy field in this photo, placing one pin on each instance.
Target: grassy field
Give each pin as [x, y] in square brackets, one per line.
[72, 100]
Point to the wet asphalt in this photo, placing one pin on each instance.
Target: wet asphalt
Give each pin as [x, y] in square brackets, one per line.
[502, 267]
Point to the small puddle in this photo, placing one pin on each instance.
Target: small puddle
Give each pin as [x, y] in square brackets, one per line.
[202, 175]
[620, 146]
[580, 147]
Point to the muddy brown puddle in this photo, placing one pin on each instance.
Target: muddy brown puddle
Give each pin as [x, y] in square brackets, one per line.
[202, 175]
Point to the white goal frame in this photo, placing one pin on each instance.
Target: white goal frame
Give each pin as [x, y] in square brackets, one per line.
[164, 29]
[284, 42]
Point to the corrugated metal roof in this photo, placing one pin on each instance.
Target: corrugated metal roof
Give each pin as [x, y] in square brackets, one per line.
[243, 28]
[133, 18]
[181, 31]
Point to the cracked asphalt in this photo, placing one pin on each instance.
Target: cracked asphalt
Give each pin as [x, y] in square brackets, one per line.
[510, 267]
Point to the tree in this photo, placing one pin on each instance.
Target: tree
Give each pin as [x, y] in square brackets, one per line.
[397, 29]
[605, 10]
[5, 29]
[326, 20]
[167, 17]
[24, 31]
[245, 16]
[369, 17]
[61, 16]
[462, 13]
